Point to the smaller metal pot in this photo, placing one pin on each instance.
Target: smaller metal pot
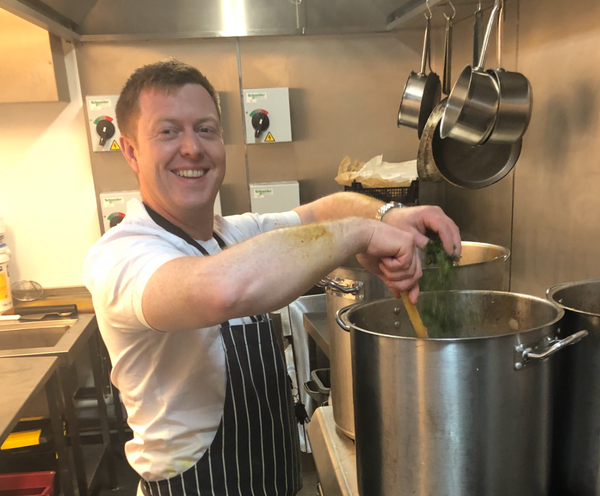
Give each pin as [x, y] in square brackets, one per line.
[421, 92]
[516, 99]
[472, 106]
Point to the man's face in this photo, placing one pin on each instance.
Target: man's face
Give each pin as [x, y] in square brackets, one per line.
[179, 156]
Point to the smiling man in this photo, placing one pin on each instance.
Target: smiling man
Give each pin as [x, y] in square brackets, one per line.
[182, 296]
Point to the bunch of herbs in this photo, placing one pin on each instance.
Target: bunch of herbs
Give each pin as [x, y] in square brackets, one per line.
[438, 314]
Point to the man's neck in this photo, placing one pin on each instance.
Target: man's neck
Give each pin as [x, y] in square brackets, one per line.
[197, 224]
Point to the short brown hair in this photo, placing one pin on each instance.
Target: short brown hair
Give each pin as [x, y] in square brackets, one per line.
[164, 76]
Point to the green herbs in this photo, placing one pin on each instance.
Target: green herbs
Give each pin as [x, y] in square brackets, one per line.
[436, 257]
[439, 275]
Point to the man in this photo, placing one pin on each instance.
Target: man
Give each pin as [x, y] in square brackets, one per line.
[181, 296]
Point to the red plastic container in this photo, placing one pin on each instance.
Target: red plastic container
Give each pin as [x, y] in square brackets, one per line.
[27, 484]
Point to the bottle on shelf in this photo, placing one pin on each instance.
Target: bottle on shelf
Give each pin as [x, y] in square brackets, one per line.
[6, 301]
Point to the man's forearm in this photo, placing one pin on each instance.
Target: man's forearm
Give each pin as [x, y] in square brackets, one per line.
[339, 206]
[259, 275]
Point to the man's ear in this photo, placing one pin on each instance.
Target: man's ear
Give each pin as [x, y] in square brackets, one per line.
[128, 150]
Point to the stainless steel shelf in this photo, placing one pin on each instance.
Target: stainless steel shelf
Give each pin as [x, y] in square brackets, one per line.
[315, 324]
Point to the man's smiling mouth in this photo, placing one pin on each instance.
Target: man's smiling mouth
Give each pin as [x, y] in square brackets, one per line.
[189, 173]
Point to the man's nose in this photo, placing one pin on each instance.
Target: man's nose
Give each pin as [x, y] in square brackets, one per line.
[191, 145]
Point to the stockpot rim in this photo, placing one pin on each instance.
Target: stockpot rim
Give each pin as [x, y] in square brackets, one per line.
[552, 290]
[552, 323]
[504, 257]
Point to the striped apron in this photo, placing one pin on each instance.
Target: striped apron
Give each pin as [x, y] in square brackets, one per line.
[255, 451]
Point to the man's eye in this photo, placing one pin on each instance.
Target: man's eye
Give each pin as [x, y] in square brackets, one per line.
[207, 129]
[166, 132]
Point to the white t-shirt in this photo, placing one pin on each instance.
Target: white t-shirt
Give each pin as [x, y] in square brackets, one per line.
[172, 384]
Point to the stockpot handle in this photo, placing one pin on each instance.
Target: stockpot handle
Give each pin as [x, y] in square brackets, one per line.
[334, 284]
[339, 318]
[528, 354]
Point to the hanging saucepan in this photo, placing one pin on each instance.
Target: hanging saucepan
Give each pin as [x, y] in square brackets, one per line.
[459, 163]
[421, 92]
[473, 103]
[514, 107]
[426, 168]
[478, 34]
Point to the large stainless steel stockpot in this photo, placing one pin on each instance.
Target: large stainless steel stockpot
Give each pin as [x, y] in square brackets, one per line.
[464, 415]
[576, 452]
[482, 266]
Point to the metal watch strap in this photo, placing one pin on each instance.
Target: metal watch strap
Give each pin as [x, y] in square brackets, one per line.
[384, 209]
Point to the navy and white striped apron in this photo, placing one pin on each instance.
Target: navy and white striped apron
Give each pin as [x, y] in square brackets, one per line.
[255, 451]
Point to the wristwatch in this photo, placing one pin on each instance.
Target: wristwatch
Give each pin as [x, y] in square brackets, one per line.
[384, 209]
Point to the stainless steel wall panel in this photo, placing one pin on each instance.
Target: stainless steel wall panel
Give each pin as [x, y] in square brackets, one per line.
[557, 205]
[215, 58]
[345, 93]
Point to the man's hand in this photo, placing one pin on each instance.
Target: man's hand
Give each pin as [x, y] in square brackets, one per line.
[418, 220]
[391, 254]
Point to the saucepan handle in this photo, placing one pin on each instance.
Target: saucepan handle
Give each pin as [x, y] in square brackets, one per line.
[527, 354]
[339, 317]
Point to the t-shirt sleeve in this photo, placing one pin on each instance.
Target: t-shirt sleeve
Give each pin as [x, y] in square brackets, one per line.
[116, 272]
[248, 225]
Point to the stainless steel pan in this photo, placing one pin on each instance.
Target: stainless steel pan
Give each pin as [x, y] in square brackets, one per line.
[421, 92]
[516, 99]
[426, 168]
[459, 163]
[472, 106]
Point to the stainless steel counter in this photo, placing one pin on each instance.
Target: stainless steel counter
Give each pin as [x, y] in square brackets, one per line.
[65, 340]
[334, 455]
[74, 335]
[22, 379]
[315, 324]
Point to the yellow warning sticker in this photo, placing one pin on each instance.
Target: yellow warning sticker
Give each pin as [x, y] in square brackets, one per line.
[115, 146]
[269, 137]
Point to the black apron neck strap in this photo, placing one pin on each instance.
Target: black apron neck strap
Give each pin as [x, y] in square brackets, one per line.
[180, 233]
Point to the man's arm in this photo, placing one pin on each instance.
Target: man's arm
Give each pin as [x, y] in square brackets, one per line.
[416, 220]
[271, 270]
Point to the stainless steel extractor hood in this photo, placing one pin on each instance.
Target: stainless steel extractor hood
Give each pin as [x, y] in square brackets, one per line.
[147, 19]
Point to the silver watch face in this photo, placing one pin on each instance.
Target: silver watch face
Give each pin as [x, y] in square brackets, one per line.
[385, 208]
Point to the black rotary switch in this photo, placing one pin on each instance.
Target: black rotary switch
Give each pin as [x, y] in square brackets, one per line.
[105, 130]
[260, 123]
[117, 219]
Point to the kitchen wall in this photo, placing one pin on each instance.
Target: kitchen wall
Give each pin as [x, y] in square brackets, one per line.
[344, 97]
[345, 91]
[46, 186]
[557, 205]
[555, 209]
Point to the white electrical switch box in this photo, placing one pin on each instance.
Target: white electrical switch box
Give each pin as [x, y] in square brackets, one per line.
[114, 206]
[104, 130]
[267, 115]
[266, 198]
